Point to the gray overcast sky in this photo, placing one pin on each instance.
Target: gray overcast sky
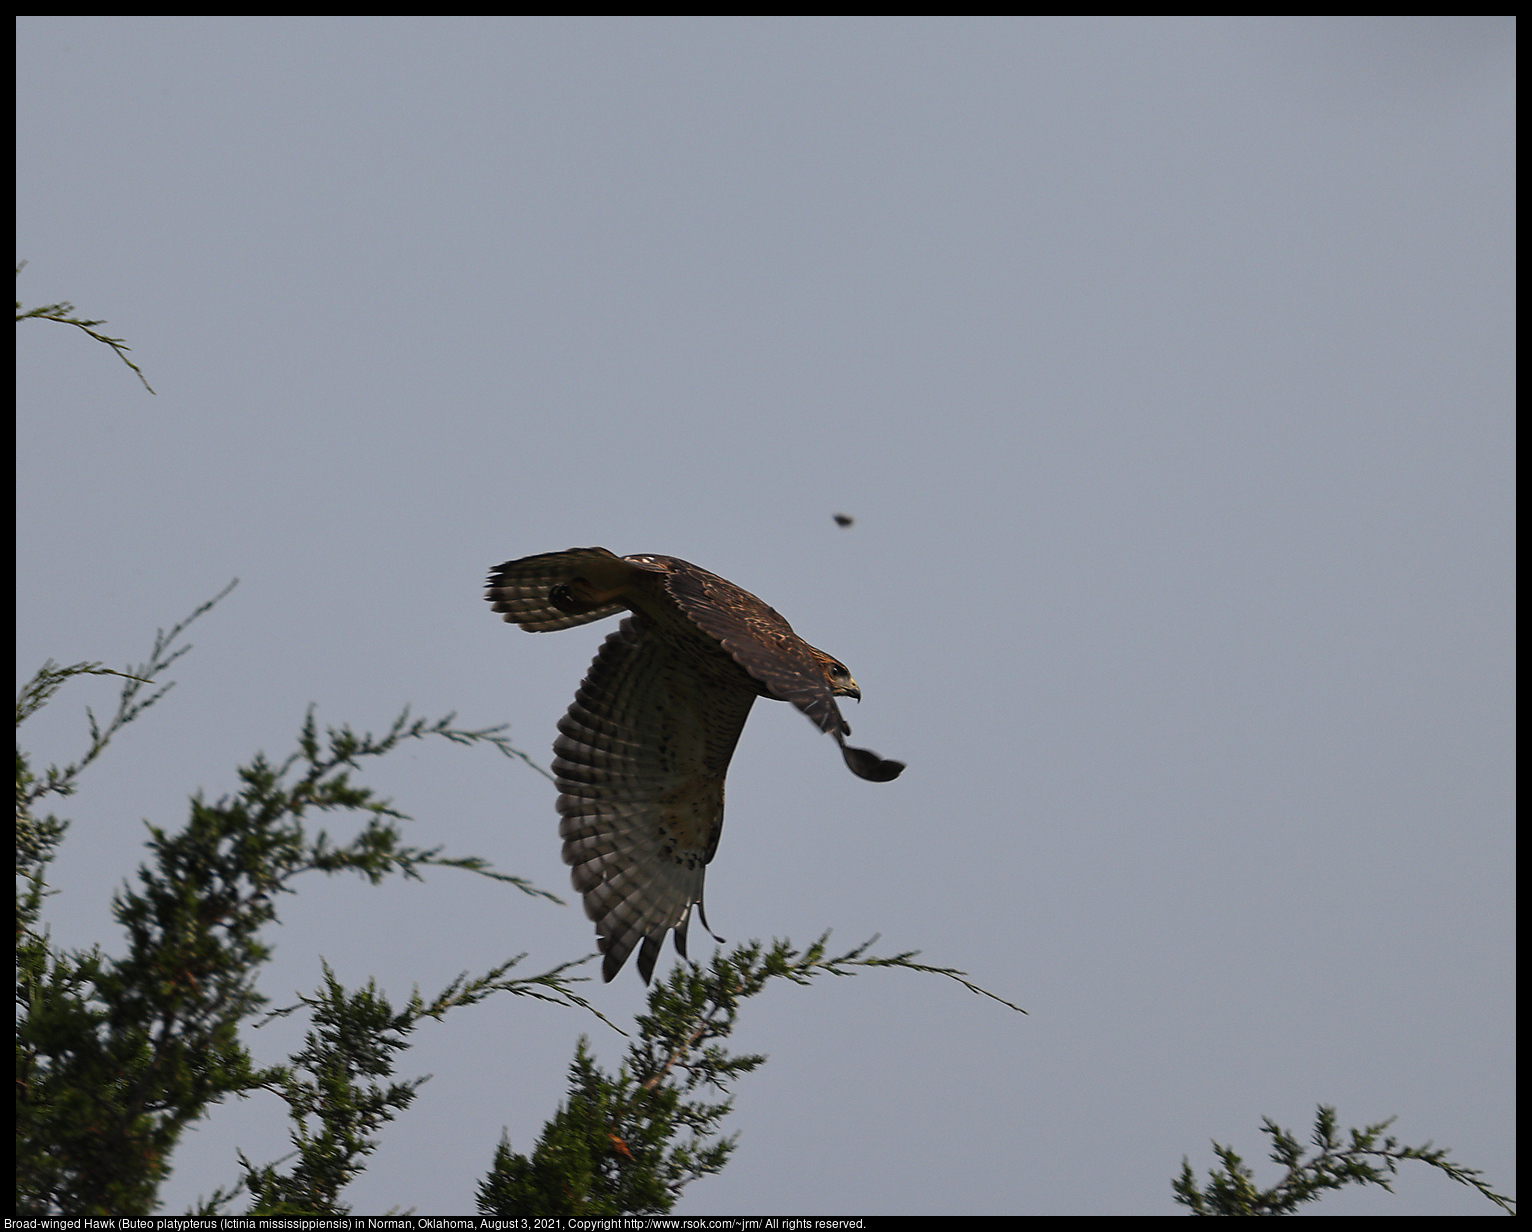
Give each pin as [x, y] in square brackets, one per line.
[1165, 365]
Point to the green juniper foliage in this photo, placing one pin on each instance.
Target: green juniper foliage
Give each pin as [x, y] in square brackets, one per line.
[117, 1055]
[63, 312]
[616, 1145]
[1363, 1161]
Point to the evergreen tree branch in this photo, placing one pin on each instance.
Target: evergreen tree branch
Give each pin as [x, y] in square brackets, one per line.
[1363, 1161]
[63, 312]
[117, 1056]
[60, 780]
[629, 1143]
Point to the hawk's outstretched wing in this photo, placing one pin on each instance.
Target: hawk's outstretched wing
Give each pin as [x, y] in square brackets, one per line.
[640, 759]
[642, 754]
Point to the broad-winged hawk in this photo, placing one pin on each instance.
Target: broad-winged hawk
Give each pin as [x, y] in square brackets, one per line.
[642, 753]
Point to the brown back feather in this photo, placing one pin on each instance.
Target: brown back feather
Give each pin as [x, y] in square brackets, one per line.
[756, 636]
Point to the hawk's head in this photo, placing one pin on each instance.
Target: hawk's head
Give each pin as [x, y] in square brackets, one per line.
[839, 678]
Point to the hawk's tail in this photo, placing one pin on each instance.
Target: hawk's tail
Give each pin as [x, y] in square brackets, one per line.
[535, 592]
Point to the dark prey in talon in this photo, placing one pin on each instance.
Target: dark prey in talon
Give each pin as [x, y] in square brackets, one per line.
[642, 753]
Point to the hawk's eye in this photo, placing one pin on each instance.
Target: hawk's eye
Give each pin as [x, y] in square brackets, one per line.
[837, 670]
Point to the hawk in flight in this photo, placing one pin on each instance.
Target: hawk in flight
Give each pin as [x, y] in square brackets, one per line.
[641, 755]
